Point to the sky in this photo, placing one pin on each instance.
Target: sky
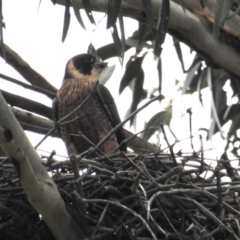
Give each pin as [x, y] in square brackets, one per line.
[35, 34]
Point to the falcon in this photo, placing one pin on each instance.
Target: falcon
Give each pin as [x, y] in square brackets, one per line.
[89, 123]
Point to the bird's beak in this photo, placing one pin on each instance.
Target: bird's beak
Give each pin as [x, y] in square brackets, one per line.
[100, 65]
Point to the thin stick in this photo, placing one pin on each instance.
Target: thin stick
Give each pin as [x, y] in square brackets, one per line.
[169, 146]
[93, 201]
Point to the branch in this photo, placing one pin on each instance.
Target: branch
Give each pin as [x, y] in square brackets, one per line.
[13, 59]
[41, 125]
[196, 32]
[27, 104]
[231, 25]
[50, 94]
[38, 185]
[30, 118]
[190, 28]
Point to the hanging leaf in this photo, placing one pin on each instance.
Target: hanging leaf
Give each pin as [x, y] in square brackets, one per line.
[107, 51]
[162, 27]
[117, 41]
[190, 76]
[2, 25]
[196, 59]
[159, 69]
[86, 6]
[154, 124]
[218, 101]
[179, 52]
[235, 85]
[198, 82]
[149, 13]
[67, 17]
[132, 68]
[137, 92]
[143, 34]
[220, 97]
[121, 24]
[40, 1]
[221, 12]
[78, 17]
[234, 126]
[232, 114]
[232, 111]
[113, 10]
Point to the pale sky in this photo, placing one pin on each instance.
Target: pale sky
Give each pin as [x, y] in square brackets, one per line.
[36, 37]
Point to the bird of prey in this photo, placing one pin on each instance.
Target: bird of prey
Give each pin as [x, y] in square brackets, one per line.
[89, 124]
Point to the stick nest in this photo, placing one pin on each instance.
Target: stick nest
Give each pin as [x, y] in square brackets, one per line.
[146, 196]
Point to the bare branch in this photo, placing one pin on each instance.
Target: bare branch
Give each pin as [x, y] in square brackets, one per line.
[27, 104]
[186, 27]
[50, 94]
[25, 70]
[30, 119]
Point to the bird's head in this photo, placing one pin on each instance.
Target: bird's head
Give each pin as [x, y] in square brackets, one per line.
[84, 66]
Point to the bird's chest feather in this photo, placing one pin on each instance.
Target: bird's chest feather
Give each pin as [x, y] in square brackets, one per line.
[73, 91]
[90, 119]
[72, 94]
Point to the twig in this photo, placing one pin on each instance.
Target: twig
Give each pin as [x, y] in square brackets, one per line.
[169, 146]
[202, 155]
[169, 220]
[47, 135]
[118, 205]
[137, 144]
[189, 111]
[219, 191]
[92, 144]
[100, 220]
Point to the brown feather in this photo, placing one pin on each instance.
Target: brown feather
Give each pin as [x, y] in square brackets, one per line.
[91, 119]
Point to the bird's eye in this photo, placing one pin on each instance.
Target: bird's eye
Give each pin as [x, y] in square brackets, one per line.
[89, 59]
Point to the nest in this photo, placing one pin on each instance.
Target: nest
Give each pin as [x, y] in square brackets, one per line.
[146, 196]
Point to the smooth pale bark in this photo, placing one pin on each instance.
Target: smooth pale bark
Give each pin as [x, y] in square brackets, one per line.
[41, 190]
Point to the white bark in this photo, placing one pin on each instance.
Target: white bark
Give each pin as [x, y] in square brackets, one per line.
[38, 185]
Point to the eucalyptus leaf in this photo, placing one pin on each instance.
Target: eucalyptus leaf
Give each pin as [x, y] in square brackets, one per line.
[67, 17]
[78, 17]
[113, 10]
[86, 6]
[162, 26]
